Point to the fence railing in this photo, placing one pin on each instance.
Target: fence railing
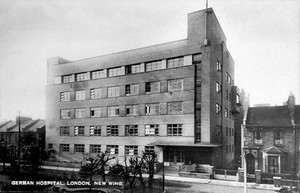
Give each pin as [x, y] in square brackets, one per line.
[225, 174]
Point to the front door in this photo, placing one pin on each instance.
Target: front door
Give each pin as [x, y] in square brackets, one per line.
[273, 166]
[250, 163]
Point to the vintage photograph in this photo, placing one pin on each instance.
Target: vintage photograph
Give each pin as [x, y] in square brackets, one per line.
[150, 96]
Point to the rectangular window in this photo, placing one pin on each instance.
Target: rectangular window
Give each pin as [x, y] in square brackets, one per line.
[226, 131]
[80, 95]
[278, 137]
[68, 78]
[50, 145]
[219, 66]
[149, 150]
[175, 62]
[258, 137]
[229, 79]
[131, 150]
[64, 147]
[175, 85]
[218, 108]
[65, 113]
[131, 130]
[79, 148]
[115, 72]
[95, 130]
[132, 89]
[79, 113]
[112, 130]
[197, 58]
[81, 76]
[79, 131]
[226, 113]
[218, 87]
[227, 96]
[152, 109]
[98, 74]
[151, 130]
[238, 99]
[131, 110]
[151, 66]
[97, 111]
[97, 93]
[174, 129]
[65, 96]
[219, 128]
[64, 131]
[95, 148]
[132, 69]
[113, 111]
[112, 149]
[175, 107]
[113, 91]
[152, 87]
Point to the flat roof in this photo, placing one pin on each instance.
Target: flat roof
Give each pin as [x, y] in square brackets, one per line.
[184, 144]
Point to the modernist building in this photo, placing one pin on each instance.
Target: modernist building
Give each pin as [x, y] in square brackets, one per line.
[272, 138]
[176, 98]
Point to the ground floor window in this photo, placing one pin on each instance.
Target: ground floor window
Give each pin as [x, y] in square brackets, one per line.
[95, 149]
[79, 148]
[131, 150]
[112, 149]
[64, 147]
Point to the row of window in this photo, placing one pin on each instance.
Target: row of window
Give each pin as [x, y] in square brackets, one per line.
[228, 132]
[219, 90]
[112, 149]
[125, 70]
[258, 137]
[130, 89]
[228, 77]
[130, 130]
[227, 113]
[130, 110]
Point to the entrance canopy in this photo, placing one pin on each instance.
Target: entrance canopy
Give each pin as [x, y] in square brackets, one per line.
[186, 152]
[184, 144]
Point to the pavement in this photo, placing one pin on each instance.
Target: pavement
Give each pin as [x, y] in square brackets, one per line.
[220, 182]
[173, 176]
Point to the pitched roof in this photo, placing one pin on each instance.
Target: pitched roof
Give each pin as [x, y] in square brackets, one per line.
[275, 116]
[29, 125]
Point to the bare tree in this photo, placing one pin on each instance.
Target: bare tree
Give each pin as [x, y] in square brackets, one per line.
[95, 165]
[149, 161]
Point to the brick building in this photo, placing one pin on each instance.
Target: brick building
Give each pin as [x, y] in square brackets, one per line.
[176, 98]
[9, 133]
[272, 138]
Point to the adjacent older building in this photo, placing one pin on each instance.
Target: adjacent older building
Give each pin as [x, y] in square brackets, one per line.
[272, 138]
[11, 130]
[176, 98]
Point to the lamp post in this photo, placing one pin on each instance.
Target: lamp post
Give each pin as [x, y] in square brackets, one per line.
[163, 170]
[244, 143]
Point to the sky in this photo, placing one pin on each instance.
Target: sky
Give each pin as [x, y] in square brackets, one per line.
[262, 37]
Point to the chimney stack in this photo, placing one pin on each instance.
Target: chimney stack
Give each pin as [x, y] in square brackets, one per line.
[291, 105]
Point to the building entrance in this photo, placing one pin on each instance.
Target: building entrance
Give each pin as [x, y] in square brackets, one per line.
[187, 155]
[250, 163]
